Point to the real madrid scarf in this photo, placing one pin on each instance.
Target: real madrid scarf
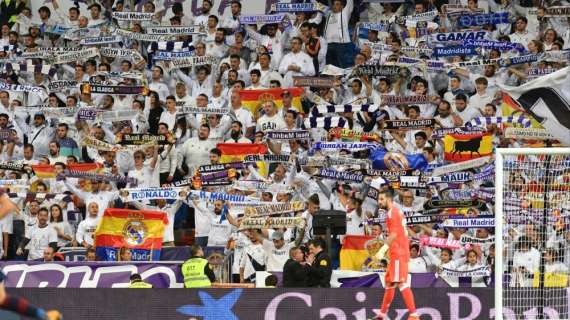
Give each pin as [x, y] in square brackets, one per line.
[220, 167]
[224, 174]
[31, 68]
[377, 26]
[340, 175]
[453, 177]
[345, 145]
[20, 88]
[74, 56]
[485, 121]
[251, 185]
[286, 135]
[98, 144]
[213, 196]
[141, 36]
[377, 70]
[502, 62]
[98, 176]
[408, 124]
[121, 90]
[271, 158]
[392, 99]
[100, 40]
[142, 139]
[442, 132]
[353, 135]
[490, 44]
[316, 82]
[133, 16]
[119, 115]
[478, 272]
[324, 109]
[440, 243]
[454, 51]
[167, 55]
[51, 112]
[469, 223]
[271, 222]
[11, 48]
[153, 193]
[325, 122]
[171, 46]
[442, 204]
[298, 7]
[261, 19]
[472, 240]
[274, 209]
[62, 85]
[494, 18]
[200, 110]
[134, 55]
[192, 62]
[425, 16]
[15, 166]
[432, 65]
[557, 11]
[176, 30]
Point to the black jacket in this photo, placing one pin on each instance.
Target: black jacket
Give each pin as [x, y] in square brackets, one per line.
[320, 272]
[295, 275]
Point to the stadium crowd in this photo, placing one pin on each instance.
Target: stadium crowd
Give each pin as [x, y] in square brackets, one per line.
[376, 62]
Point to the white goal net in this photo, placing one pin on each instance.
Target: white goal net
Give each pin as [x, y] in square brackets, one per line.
[532, 258]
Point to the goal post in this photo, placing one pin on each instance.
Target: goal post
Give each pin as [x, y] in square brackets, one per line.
[532, 203]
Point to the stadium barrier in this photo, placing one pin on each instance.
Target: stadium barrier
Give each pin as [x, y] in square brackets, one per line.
[267, 304]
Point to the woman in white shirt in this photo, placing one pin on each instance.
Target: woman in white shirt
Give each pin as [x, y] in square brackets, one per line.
[64, 232]
[145, 172]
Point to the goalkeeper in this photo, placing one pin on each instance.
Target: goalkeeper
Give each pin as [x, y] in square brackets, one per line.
[398, 247]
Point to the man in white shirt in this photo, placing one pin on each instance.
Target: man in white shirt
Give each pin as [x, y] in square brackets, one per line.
[482, 97]
[296, 63]
[236, 134]
[446, 118]
[203, 18]
[196, 151]
[102, 198]
[241, 114]
[157, 85]
[267, 73]
[87, 227]
[521, 34]
[252, 258]
[339, 52]
[276, 252]
[271, 120]
[255, 77]
[39, 237]
[465, 111]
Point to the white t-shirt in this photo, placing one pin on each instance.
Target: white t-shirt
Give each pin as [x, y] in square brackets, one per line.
[266, 123]
[219, 232]
[257, 253]
[40, 238]
[275, 258]
[86, 230]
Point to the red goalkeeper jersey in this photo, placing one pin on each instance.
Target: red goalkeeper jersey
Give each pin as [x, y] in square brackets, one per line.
[396, 223]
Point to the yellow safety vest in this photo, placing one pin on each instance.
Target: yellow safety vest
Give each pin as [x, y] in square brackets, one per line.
[140, 285]
[194, 275]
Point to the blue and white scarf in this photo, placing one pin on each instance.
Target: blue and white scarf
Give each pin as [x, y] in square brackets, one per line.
[172, 46]
[31, 68]
[345, 145]
[340, 175]
[263, 19]
[454, 51]
[298, 7]
[490, 44]
[494, 18]
[323, 109]
[485, 121]
[326, 122]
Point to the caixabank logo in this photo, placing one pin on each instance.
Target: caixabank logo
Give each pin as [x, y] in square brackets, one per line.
[212, 308]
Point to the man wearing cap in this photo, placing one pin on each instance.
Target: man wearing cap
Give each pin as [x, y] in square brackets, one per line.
[276, 251]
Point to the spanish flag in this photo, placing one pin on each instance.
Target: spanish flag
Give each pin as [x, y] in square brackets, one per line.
[253, 99]
[463, 147]
[511, 108]
[47, 171]
[236, 152]
[140, 231]
[354, 252]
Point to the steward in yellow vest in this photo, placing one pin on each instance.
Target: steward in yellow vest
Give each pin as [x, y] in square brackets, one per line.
[137, 283]
[196, 270]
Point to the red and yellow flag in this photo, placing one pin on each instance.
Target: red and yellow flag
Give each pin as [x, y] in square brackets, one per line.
[253, 99]
[139, 230]
[354, 252]
[511, 108]
[463, 147]
[236, 152]
[47, 171]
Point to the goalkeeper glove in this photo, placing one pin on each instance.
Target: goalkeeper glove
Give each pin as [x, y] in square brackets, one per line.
[382, 252]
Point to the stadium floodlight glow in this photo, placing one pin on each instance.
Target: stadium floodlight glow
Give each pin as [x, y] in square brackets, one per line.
[531, 195]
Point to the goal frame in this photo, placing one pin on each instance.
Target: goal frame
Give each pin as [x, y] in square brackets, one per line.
[499, 217]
